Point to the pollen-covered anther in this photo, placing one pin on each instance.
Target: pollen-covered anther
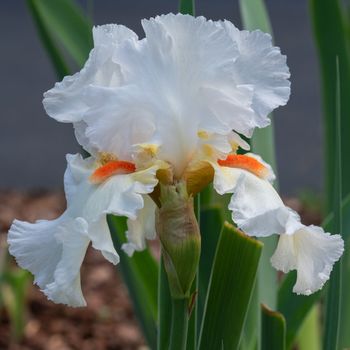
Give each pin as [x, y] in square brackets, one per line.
[114, 167]
[247, 163]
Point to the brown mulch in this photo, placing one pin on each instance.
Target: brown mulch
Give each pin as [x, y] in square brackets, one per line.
[107, 322]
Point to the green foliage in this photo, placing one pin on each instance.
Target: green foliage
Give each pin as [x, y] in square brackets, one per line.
[330, 30]
[140, 273]
[230, 287]
[62, 25]
[273, 330]
[186, 7]
[334, 297]
[294, 307]
[13, 294]
[56, 57]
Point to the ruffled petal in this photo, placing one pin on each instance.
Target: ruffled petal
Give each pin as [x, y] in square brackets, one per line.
[142, 228]
[261, 66]
[310, 251]
[256, 207]
[65, 102]
[120, 195]
[52, 251]
[167, 95]
[66, 286]
[101, 240]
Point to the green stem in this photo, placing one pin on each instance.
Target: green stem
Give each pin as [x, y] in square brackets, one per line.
[164, 311]
[179, 324]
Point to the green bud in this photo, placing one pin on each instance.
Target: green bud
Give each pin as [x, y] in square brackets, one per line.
[180, 238]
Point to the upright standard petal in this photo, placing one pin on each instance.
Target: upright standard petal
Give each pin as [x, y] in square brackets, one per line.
[187, 75]
[261, 66]
[65, 102]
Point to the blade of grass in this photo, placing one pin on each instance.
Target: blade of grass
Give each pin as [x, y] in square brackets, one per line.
[332, 41]
[56, 57]
[334, 301]
[211, 225]
[273, 330]
[193, 314]
[231, 284]
[309, 337]
[186, 7]
[140, 273]
[294, 307]
[65, 21]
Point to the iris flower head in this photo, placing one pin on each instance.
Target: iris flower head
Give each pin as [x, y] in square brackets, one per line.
[171, 107]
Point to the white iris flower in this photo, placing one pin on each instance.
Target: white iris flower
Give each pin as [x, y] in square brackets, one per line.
[167, 108]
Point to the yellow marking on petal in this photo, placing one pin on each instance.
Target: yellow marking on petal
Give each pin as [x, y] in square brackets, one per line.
[234, 146]
[247, 163]
[105, 157]
[203, 134]
[149, 148]
[114, 167]
[208, 150]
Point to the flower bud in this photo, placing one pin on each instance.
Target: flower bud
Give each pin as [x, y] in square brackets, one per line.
[179, 235]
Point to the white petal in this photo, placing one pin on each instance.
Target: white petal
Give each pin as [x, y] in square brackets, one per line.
[35, 248]
[64, 102]
[261, 66]
[256, 207]
[54, 250]
[142, 228]
[44, 249]
[310, 251]
[101, 240]
[66, 287]
[177, 80]
[120, 195]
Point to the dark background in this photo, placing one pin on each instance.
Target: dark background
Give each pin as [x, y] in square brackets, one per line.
[33, 146]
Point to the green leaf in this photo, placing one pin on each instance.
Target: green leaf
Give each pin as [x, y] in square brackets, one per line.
[230, 287]
[344, 335]
[332, 41]
[254, 15]
[211, 224]
[193, 300]
[63, 20]
[56, 57]
[309, 337]
[294, 307]
[14, 293]
[334, 296]
[273, 330]
[252, 327]
[187, 7]
[140, 273]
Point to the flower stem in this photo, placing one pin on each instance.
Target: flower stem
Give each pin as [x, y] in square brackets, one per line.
[179, 324]
[164, 311]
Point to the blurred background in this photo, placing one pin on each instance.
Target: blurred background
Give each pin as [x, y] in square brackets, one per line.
[33, 147]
